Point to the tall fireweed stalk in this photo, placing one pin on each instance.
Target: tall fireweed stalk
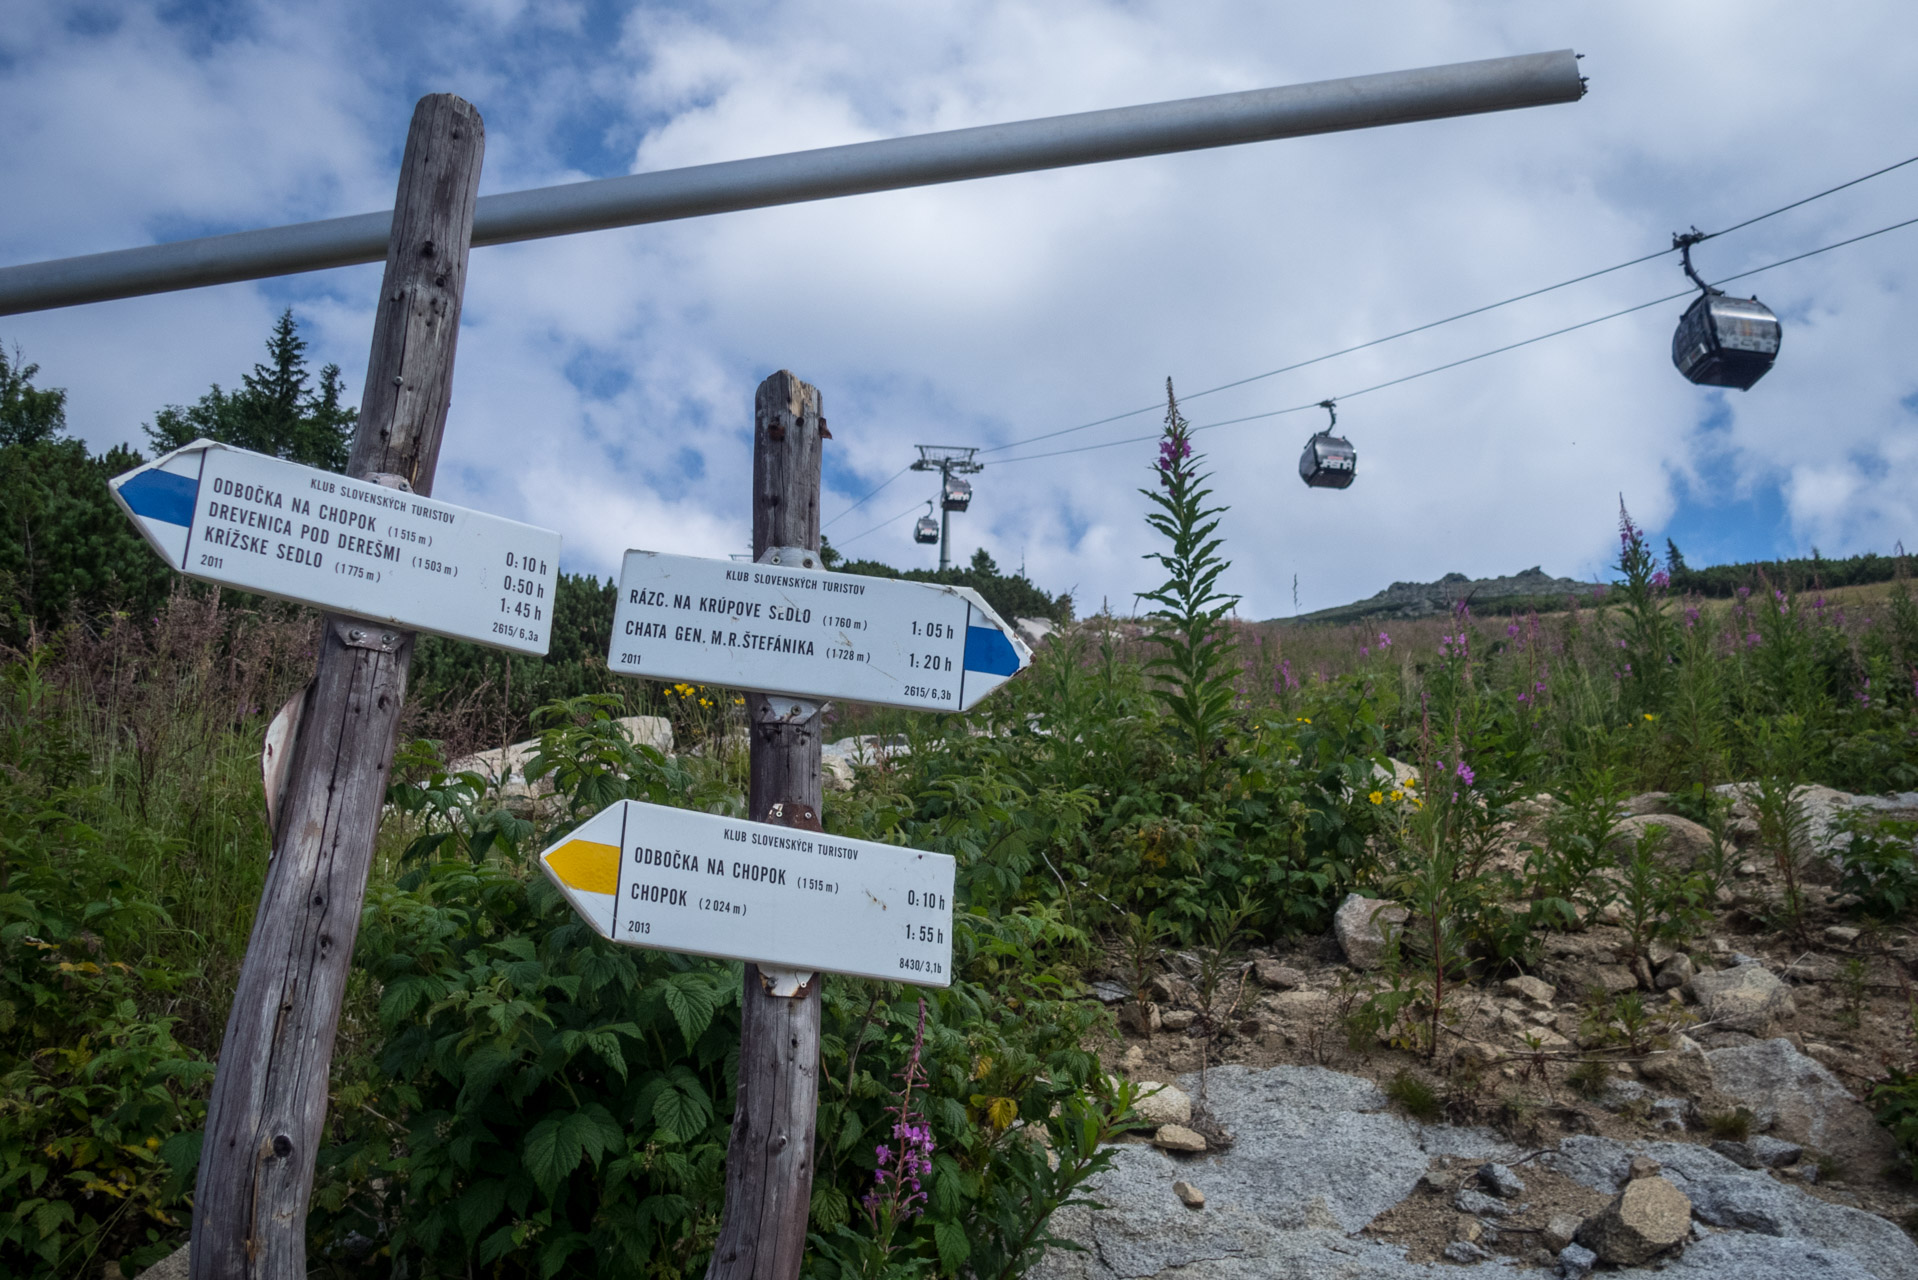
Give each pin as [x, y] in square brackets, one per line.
[1196, 661]
[898, 1193]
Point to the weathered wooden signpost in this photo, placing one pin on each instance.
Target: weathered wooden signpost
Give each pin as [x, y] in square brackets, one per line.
[269, 1098]
[385, 560]
[776, 891]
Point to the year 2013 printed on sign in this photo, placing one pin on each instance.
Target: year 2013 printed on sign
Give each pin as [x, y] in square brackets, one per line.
[676, 880]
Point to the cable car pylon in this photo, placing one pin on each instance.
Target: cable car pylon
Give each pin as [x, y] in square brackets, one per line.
[1722, 341]
[953, 463]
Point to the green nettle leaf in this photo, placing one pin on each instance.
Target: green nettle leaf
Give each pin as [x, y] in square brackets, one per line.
[551, 1152]
[952, 1113]
[553, 1254]
[498, 1245]
[689, 998]
[481, 1204]
[830, 1207]
[182, 1151]
[682, 1109]
[606, 1045]
[954, 1248]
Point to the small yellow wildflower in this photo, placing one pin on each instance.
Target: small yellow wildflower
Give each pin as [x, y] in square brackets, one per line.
[1398, 795]
[1650, 716]
[1376, 798]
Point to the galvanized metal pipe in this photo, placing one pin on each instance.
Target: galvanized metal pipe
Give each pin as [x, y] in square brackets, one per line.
[1227, 119]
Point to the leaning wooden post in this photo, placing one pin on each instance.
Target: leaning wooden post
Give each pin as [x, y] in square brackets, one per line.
[268, 1106]
[762, 1234]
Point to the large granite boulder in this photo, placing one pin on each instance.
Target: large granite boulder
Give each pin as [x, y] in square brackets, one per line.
[1746, 997]
[1647, 1218]
[1798, 1099]
[1361, 925]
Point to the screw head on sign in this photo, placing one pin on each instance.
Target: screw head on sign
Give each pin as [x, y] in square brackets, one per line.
[356, 635]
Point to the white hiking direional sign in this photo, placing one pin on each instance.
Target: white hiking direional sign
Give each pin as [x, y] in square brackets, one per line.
[680, 880]
[262, 524]
[809, 633]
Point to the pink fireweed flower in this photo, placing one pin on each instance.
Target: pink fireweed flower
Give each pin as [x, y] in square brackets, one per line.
[1385, 641]
[1465, 773]
[1171, 455]
[1511, 629]
[1661, 580]
[898, 1192]
[1627, 531]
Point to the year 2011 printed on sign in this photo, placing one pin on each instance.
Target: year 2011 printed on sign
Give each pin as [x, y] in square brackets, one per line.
[294, 532]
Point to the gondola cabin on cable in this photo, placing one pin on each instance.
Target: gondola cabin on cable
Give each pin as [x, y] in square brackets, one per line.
[1329, 461]
[1722, 341]
[955, 494]
[926, 529]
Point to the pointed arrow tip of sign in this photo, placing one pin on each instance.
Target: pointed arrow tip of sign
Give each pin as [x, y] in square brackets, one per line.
[586, 865]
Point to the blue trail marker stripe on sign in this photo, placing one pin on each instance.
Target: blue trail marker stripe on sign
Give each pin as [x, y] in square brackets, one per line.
[989, 651]
[163, 496]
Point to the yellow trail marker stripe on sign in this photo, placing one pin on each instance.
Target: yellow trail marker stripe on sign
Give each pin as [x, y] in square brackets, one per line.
[587, 865]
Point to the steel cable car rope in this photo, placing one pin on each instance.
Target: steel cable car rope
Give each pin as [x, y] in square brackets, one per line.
[1405, 333]
[1453, 364]
[891, 520]
[1462, 315]
[870, 495]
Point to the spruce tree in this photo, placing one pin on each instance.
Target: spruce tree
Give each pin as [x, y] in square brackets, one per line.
[273, 411]
[28, 414]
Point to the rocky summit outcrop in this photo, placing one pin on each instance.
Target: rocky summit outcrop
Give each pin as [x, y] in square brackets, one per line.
[1318, 1157]
[1424, 599]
